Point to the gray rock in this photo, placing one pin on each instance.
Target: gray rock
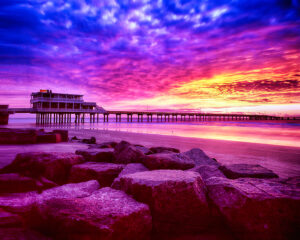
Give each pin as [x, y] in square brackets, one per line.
[168, 161]
[234, 171]
[257, 208]
[164, 149]
[199, 157]
[106, 214]
[97, 155]
[127, 153]
[105, 173]
[13, 182]
[177, 199]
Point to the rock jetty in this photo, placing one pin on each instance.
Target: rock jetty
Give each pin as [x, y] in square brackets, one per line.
[128, 191]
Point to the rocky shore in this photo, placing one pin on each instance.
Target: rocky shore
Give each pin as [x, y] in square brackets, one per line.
[119, 190]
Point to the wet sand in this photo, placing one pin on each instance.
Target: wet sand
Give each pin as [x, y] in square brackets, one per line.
[283, 160]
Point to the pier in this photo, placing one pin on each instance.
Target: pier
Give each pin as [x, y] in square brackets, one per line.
[61, 108]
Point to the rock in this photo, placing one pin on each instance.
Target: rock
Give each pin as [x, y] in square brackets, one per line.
[106, 214]
[177, 199]
[97, 155]
[63, 133]
[22, 203]
[164, 149]
[74, 138]
[257, 208]
[8, 219]
[43, 137]
[53, 166]
[168, 161]
[130, 168]
[143, 149]
[21, 233]
[18, 136]
[108, 144]
[200, 158]
[234, 171]
[105, 173]
[127, 153]
[207, 171]
[13, 182]
[92, 140]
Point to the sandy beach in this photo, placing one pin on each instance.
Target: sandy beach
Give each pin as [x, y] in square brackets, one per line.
[283, 160]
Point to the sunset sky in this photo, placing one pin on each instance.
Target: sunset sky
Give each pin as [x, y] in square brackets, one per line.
[239, 56]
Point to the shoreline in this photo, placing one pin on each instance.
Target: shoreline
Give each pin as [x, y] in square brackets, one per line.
[283, 160]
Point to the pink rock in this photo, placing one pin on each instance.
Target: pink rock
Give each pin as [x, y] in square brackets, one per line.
[199, 157]
[257, 208]
[105, 173]
[127, 153]
[97, 155]
[8, 219]
[168, 161]
[177, 199]
[144, 150]
[234, 171]
[63, 133]
[13, 182]
[164, 149]
[18, 136]
[130, 168]
[44, 137]
[207, 171]
[106, 214]
[53, 166]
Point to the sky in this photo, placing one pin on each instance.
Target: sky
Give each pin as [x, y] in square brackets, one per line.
[226, 56]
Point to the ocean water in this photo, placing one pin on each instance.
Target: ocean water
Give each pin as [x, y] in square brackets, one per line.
[271, 132]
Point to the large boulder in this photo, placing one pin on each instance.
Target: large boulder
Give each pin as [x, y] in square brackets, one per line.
[105, 173]
[97, 155]
[129, 168]
[199, 157]
[164, 149]
[207, 171]
[8, 219]
[177, 199]
[143, 149]
[106, 214]
[234, 171]
[127, 153]
[53, 166]
[18, 136]
[168, 161]
[22, 203]
[46, 137]
[257, 208]
[13, 182]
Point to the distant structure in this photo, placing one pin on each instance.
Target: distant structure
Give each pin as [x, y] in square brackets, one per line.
[52, 107]
[46, 99]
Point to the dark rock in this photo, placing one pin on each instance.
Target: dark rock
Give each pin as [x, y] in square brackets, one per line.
[8, 219]
[44, 137]
[257, 208]
[200, 158]
[106, 214]
[127, 153]
[234, 171]
[74, 138]
[13, 182]
[168, 161]
[105, 173]
[22, 203]
[208, 171]
[63, 133]
[53, 166]
[164, 149]
[143, 149]
[177, 199]
[18, 136]
[130, 168]
[92, 140]
[21, 233]
[97, 155]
